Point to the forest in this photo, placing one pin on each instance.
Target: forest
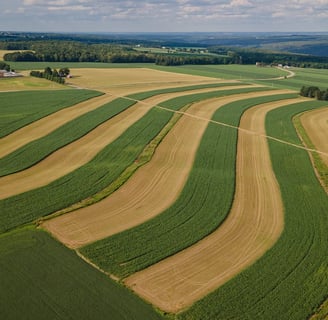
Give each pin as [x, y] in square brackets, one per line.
[111, 49]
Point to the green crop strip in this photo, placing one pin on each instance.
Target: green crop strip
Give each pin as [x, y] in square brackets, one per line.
[37, 150]
[41, 279]
[18, 109]
[101, 171]
[291, 279]
[203, 204]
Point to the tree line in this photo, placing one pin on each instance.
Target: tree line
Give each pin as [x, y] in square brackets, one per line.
[251, 56]
[74, 51]
[52, 75]
[314, 92]
[68, 51]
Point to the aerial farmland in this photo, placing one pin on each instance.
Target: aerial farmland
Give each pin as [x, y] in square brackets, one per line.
[148, 192]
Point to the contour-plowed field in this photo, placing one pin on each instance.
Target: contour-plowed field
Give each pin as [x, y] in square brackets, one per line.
[76, 154]
[253, 225]
[151, 190]
[157, 231]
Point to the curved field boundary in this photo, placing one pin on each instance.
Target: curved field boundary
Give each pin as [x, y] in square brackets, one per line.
[290, 280]
[201, 207]
[76, 154]
[101, 171]
[253, 225]
[152, 188]
[19, 109]
[36, 150]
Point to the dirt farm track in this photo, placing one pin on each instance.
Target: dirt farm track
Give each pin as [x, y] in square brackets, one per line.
[256, 219]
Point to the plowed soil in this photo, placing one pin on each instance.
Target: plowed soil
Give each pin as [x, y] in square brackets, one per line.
[252, 227]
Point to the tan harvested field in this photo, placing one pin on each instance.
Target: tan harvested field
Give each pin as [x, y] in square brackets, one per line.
[50, 123]
[316, 125]
[132, 80]
[152, 188]
[252, 227]
[76, 154]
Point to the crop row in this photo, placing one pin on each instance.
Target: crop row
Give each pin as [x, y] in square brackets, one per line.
[21, 108]
[290, 280]
[37, 150]
[201, 207]
[102, 170]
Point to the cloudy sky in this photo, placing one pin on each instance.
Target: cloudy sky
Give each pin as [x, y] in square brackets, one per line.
[164, 16]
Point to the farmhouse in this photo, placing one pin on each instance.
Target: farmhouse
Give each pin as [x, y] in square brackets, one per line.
[9, 74]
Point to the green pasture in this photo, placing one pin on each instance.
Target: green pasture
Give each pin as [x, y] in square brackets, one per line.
[238, 72]
[102, 170]
[35, 151]
[18, 109]
[303, 77]
[202, 206]
[42, 279]
[291, 279]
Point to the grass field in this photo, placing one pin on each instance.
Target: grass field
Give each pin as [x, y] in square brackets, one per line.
[40, 278]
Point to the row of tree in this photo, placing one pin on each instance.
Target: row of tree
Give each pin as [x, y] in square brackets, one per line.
[52, 75]
[314, 92]
[179, 59]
